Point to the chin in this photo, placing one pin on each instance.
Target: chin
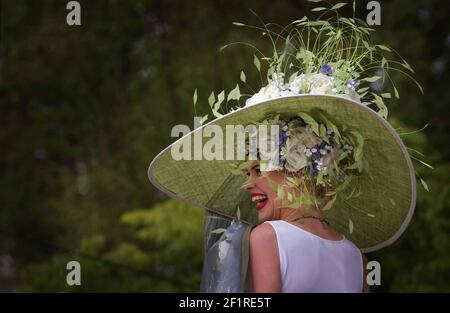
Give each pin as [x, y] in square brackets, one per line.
[262, 217]
[265, 213]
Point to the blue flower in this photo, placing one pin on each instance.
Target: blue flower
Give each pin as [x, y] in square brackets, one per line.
[314, 168]
[315, 153]
[326, 69]
[282, 138]
[353, 84]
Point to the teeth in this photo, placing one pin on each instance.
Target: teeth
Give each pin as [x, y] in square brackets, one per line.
[258, 198]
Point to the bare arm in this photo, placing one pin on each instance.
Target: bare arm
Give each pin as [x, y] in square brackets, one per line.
[264, 259]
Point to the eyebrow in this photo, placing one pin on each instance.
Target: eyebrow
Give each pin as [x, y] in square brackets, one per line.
[254, 166]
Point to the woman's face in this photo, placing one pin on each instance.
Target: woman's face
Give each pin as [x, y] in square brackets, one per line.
[263, 195]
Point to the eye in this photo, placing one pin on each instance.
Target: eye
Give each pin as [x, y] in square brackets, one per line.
[257, 171]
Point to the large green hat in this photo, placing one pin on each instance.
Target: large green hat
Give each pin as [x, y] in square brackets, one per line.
[377, 205]
[388, 192]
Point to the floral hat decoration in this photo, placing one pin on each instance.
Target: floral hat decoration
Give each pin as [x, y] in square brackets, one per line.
[323, 86]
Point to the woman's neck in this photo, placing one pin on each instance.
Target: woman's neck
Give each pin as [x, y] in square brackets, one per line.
[292, 214]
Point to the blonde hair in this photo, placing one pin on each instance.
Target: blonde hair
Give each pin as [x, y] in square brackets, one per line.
[320, 193]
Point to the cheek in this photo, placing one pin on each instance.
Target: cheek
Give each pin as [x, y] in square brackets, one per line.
[264, 186]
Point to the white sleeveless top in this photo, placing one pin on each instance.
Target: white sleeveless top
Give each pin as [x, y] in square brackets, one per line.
[309, 263]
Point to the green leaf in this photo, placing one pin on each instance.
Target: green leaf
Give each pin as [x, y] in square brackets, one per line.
[424, 184]
[361, 90]
[338, 5]
[358, 150]
[318, 9]
[203, 119]
[396, 93]
[392, 201]
[218, 231]
[304, 18]
[329, 204]
[238, 24]
[323, 133]
[234, 94]
[216, 113]
[221, 97]
[309, 120]
[236, 173]
[382, 109]
[243, 76]
[292, 181]
[371, 79]
[211, 99]
[383, 47]
[370, 215]
[407, 66]
[366, 45]
[216, 107]
[315, 1]
[280, 192]
[319, 178]
[289, 196]
[350, 225]
[257, 63]
[194, 97]
[330, 125]
[238, 213]
[426, 164]
[386, 95]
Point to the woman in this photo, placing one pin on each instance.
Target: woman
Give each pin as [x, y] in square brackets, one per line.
[322, 199]
[295, 251]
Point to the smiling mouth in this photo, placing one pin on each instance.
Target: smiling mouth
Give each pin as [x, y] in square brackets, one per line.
[260, 200]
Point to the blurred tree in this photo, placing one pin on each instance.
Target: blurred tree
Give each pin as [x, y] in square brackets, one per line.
[164, 254]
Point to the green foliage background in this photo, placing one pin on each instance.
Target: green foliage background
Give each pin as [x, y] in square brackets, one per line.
[85, 109]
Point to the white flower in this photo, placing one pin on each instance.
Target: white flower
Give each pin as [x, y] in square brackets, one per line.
[352, 94]
[272, 90]
[275, 89]
[296, 158]
[321, 84]
[256, 98]
[306, 137]
[310, 83]
[286, 93]
[298, 84]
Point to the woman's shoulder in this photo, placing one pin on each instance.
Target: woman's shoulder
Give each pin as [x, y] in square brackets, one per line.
[264, 259]
[262, 232]
[263, 237]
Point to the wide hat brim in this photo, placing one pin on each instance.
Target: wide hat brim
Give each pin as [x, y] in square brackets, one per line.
[374, 217]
